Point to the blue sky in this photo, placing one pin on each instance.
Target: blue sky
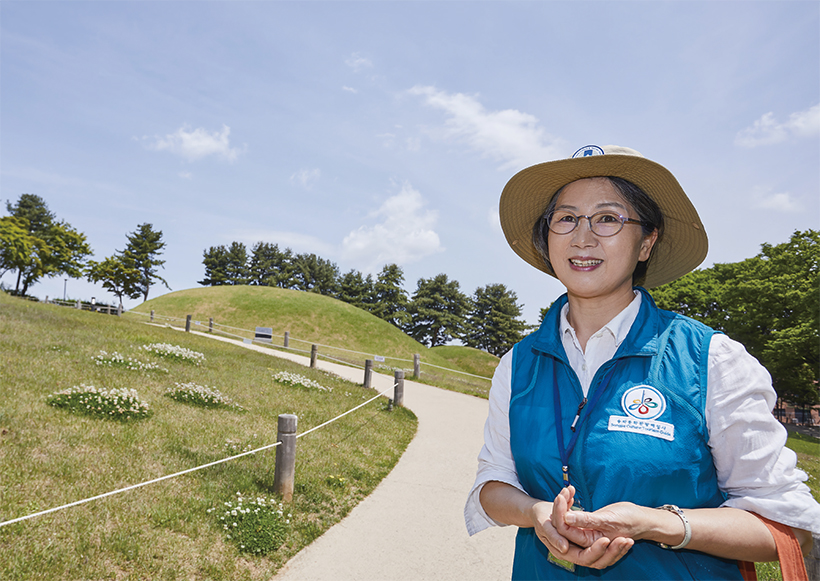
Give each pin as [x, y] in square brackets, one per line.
[379, 132]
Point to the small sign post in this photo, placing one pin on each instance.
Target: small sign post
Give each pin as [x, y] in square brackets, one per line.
[264, 334]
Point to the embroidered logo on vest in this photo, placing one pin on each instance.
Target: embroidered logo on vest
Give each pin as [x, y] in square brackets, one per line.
[643, 404]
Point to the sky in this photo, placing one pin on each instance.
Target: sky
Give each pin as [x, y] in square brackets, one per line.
[372, 133]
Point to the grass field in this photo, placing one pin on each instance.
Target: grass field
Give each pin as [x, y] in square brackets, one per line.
[49, 457]
[344, 333]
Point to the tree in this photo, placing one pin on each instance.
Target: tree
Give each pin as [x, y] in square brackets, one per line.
[56, 247]
[117, 275]
[390, 301]
[215, 260]
[316, 274]
[437, 311]
[493, 323]
[270, 266]
[357, 290]
[141, 252]
[236, 269]
[16, 244]
[699, 295]
[769, 303]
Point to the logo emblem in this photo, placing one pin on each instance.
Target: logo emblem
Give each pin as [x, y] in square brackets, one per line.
[587, 151]
[643, 402]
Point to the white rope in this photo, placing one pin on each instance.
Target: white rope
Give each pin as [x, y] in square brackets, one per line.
[457, 371]
[161, 478]
[342, 349]
[347, 412]
[325, 356]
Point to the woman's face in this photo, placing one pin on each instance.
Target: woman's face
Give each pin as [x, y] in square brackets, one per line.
[591, 266]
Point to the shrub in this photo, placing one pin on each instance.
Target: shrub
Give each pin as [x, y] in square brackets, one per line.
[294, 379]
[258, 526]
[118, 360]
[116, 404]
[175, 353]
[201, 396]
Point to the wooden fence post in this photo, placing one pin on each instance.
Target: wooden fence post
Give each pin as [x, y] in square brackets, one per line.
[398, 389]
[152, 315]
[285, 457]
[314, 352]
[210, 324]
[368, 373]
[188, 323]
[78, 305]
[287, 338]
[416, 365]
[107, 309]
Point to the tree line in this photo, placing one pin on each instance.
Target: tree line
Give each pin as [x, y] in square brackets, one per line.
[34, 244]
[770, 303]
[436, 313]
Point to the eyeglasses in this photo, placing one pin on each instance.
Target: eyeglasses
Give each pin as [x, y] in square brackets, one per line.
[601, 223]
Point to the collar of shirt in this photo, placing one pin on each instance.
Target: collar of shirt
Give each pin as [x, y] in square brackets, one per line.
[603, 344]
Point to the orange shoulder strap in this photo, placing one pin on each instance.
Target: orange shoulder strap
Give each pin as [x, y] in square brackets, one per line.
[788, 551]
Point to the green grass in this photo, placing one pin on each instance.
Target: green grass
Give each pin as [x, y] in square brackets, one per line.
[49, 456]
[337, 326]
[808, 460]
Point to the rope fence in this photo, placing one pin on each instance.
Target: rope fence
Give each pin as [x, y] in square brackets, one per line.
[252, 336]
[284, 463]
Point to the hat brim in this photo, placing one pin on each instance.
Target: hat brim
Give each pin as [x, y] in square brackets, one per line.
[682, 248]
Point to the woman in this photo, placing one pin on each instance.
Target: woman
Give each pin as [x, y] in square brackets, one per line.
[614, 413]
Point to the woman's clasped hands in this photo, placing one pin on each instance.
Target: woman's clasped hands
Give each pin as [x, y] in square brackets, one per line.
[590, 539]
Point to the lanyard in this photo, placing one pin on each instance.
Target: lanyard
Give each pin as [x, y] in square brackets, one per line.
[565, 451]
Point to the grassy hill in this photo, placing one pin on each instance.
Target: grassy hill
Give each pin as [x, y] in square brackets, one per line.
[334, 325]
[468, 359]
[50, 457]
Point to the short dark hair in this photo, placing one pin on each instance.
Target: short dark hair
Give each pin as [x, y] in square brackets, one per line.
[647, 209]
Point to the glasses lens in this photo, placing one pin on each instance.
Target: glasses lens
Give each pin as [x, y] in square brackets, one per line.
[606, 223]
[562, 222]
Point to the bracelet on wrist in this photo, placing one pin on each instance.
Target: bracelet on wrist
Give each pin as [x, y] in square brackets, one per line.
[687, 529]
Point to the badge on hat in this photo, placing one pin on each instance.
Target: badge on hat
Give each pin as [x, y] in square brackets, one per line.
[587, 151]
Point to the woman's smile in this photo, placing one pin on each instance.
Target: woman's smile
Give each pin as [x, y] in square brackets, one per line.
[585, 263]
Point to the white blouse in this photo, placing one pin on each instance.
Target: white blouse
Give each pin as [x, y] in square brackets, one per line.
[754, 468]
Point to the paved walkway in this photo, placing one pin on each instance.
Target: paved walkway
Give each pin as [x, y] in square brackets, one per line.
[411, 527]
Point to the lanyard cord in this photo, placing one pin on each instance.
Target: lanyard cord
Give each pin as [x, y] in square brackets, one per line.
[565, 451]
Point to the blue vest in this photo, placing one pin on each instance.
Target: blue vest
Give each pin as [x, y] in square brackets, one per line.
[643, 441]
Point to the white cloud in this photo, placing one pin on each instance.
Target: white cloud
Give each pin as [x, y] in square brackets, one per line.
[306, 177]
[509, 136]
[782, 202]
[186, 175]
[358, 62]
[767, 130]
[350, 90]
[198, 143]
[405, 233]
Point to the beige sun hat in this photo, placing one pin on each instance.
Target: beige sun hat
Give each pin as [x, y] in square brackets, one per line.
[683, 245]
